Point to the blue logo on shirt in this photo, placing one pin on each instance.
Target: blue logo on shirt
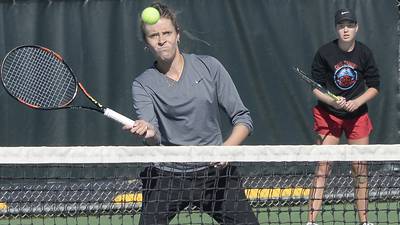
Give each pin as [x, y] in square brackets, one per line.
[345, 77]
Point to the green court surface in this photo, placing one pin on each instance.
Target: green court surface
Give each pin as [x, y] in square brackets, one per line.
[380, 214]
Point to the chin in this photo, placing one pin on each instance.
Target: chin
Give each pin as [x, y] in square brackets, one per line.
[348, 40]
[165, 58]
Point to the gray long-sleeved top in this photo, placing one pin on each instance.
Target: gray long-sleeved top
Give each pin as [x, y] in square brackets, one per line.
[186, 112]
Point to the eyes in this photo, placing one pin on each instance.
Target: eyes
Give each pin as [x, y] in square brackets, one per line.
[348, 25]
[164, 34]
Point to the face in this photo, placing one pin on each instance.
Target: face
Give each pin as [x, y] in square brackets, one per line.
[347, 31]
[162, 39]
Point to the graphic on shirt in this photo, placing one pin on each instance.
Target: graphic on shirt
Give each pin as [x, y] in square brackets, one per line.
[345, 77]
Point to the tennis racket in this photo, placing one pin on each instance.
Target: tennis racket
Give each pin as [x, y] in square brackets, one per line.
[314, 84]
[40, 79]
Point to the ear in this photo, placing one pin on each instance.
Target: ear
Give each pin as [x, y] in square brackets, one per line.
[146, 45]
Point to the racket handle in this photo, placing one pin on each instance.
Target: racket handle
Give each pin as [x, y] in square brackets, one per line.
[118, 117]
[334, 97]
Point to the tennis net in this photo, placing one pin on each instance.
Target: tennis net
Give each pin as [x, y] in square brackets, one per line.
[115, 184]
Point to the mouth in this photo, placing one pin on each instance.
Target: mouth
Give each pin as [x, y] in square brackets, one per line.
[162, 49]
[163, 53]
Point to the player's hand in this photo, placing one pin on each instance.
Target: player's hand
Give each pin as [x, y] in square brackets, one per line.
[351, 105]
[339, 104]
[219, 164]
[142, 129]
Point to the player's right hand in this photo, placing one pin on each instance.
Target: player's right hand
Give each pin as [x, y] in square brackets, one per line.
[339, 104]
[141, 128]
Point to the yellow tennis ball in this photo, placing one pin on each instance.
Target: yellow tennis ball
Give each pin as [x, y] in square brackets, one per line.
[150, 15]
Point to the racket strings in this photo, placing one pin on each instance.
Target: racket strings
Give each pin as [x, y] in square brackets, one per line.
[38, 78]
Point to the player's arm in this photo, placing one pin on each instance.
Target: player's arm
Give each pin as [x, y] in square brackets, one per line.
[239, 133]
[372, 81]
[354, 104]
[230, 100]
[339, 104]
[146, 126]
[319, 69]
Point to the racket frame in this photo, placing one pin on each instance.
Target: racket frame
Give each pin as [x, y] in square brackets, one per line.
[314, 84]
[99, 107]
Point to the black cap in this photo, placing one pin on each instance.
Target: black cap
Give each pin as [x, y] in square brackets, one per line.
[345, 15]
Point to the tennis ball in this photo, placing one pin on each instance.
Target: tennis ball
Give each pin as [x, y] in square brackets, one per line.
[150, 15]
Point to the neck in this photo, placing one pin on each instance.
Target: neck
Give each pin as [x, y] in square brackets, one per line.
[346, 46]
[173, 69]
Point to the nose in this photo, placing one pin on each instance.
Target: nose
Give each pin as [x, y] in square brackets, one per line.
[161, 40]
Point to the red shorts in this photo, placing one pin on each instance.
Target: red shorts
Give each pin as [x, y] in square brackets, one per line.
[328, 124]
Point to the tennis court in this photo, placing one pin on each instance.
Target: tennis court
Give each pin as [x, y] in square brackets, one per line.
[106, 189]
[385, 213]
[64, 54]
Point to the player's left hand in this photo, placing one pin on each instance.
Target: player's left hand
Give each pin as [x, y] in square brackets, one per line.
[219, 164]
[351, 105]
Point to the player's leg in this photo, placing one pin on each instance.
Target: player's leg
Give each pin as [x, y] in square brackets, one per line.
[227, 202]
[328, 129]
[158, 191]
[322, 172]
[360, 174]
[357, 131]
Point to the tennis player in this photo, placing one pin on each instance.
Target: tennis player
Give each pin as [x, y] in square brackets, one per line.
[345, 67]
[177, 102]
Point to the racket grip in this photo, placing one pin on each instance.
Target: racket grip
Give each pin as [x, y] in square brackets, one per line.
[336, 98]
[118, 117]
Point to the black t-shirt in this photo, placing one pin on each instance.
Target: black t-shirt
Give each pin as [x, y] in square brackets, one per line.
[345, 74]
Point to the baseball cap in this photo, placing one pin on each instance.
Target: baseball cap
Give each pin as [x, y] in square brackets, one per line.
[345, 14]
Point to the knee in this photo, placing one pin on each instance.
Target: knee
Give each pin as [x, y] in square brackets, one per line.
[361, 180]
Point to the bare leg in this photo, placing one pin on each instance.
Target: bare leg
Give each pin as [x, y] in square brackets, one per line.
[360, 173]
[315, 199]
[321, 173]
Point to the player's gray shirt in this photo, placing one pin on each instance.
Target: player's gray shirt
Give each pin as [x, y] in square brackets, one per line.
[186, 112]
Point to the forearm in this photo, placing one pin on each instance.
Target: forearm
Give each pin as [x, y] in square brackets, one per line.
[323, 97]
[367, 96]
[239, 133]
[354, 104]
